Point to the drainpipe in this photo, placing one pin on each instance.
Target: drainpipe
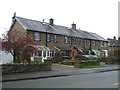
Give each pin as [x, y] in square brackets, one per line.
[46, 40]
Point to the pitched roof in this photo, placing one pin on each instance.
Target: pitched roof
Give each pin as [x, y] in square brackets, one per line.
[56, 29]
[114, 43]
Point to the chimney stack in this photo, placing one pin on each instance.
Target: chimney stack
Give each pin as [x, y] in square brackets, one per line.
[51, 22]
[13, 18]
[74, 26]
[114, 37]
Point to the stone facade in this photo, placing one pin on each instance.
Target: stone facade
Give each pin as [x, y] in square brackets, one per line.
[86, 43]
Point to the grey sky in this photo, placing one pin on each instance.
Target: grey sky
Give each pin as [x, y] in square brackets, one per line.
[98, 16]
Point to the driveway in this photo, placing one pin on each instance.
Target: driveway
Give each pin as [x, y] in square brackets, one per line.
[59, 67]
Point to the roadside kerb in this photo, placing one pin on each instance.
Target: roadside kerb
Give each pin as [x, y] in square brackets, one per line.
[50, 74]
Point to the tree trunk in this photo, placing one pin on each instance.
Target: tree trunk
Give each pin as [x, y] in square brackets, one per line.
[14, 57]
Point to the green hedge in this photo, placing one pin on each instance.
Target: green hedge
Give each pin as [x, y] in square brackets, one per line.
[25, 67]
[79, 64]
[68, 62]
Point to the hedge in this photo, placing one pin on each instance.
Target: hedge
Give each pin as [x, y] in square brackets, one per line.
[78, 64]
[68, 62]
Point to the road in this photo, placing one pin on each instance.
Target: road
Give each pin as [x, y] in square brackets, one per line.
[94, 80]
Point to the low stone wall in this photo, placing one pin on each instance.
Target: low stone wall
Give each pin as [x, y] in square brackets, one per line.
[20, 68]
[78, 64]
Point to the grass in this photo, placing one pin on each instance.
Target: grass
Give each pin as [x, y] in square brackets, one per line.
[92, 66]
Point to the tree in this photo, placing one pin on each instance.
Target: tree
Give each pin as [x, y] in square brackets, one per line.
[16, 43]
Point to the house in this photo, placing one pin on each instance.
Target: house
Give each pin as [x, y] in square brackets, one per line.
[57, 38]
[114, 45]
[5, 57]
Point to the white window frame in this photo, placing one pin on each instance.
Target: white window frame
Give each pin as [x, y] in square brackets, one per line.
[103, 43]
[85, 42]
[89, 42]
[66, 39]
[48, 37]
[55, 38]
[94, 43]
[36, 36]
[78, 41]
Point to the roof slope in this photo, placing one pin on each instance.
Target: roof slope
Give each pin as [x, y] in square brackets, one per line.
[56, 29]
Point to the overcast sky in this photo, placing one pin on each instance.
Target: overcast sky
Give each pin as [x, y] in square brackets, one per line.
[98, 16]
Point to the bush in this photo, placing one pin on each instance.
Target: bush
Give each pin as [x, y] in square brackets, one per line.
[79, 64]
[109, 59]
[68, 62]
[102, 59]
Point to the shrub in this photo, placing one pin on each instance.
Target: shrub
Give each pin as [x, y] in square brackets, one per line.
[79, 63]
[68, 62]
[102, 59]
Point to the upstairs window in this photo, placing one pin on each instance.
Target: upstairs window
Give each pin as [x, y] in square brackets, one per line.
[89, 42]
[66, 39]
[48, 38]
[74, 41]
[85, 42]
[37, 36]
[78, 41]
[103, 44]
[55, 38]
[94, 43]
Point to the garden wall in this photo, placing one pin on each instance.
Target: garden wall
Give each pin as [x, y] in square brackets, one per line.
[20, 68]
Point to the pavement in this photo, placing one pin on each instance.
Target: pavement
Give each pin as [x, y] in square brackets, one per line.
[57, 71]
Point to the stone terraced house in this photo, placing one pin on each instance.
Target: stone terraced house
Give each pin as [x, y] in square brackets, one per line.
[52, 38]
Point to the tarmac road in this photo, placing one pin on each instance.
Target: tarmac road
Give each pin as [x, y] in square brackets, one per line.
[94, 80]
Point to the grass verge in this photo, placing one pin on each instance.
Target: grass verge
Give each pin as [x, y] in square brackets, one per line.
[92, 66]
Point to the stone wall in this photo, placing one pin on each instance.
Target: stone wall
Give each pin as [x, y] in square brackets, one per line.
[21, 68]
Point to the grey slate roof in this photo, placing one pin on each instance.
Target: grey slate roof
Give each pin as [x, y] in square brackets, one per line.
[114, 43]
[56, 29]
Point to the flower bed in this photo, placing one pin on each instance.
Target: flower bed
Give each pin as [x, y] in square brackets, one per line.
[22, 67]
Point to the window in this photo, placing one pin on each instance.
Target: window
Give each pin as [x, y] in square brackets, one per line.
[37, 36]
[103, 44]
[51, 53]
[55, 38]
[94, 43]
[48, 55]
[74, 41]
[85, 42]
[48, 38]
[78, 41]
[89, 42]
[39, 53]
[44, 54]
[66, 39]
